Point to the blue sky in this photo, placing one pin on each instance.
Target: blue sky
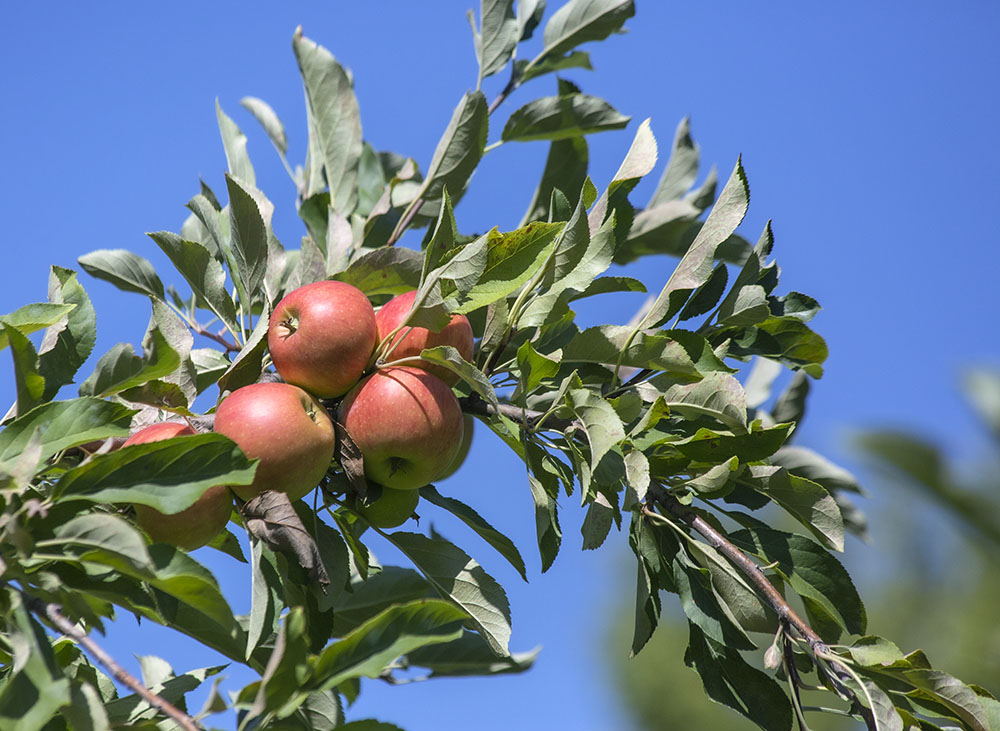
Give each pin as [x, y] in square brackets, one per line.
[868, 132]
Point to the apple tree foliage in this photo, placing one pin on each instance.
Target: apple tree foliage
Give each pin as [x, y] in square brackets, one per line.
[643, 423]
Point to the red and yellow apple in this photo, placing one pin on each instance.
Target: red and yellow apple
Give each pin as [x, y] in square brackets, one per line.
[411, 340]
[195, 526]
[321, 337]
[390, 509]
[407, 424]
[285, 428]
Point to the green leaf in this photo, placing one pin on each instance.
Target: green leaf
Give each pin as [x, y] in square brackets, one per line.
[707, 295]
[386, 271]
[209, 365]
[443, 239]
[601, 423]
[449, 357]
[267, 118]
[322, 711]
[336, 118]
[534, 367]
[713, 447]
[161, 394]
[467, 656]
[64, 349]
[34, 317]
[561, 117]
[127, 271]
[30, 386]
[550, 64]
[106, 539]
[120, 369]
[462, 581]
[85, 711]
[132, 710]
[806, 463]
[212, 222]
[454, 278]
[235, 144]
[959, 698]
[63, 424]
[459, 150]
[546, 522]
[639, 161]
[874, 651]
[791, 404]
[681, 170]
[497, 37]
[702, 607]
[248, 248]
[695, 267]
[578, 258]
[679, 353]
[503, 545]
[653, 551]
[529, 15]
[248, 363]
[512, 258]
[565, 170]
[169, 475]
[265, 596]
[812, 572]
[35, 689]
[785, 338]
[717, 395]
[202, 272]
[392, 585]
[597, 522]
[400, 629]
[287, 669]
[580, 21]
[735, 597]
[729, 680]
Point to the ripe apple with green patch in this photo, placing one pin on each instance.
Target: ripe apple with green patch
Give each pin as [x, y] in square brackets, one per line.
[194, 526]
[411, 340]
[321, 337]
[407, 424]
[468, 424]
[285, 428]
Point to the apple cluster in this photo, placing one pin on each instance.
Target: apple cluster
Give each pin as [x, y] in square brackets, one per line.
[323, 339]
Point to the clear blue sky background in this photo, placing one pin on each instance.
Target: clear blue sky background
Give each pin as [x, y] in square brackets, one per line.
[868, 132]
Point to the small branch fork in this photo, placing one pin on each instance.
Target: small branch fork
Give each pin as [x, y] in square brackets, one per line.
[219, 337]
[56, 617]
[787, 616]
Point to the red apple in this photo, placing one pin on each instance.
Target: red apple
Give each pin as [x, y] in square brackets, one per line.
[410, 341]
[283, 426]
[321, 337]
[195, 526]
[390, 509]
[463, 451]
[407, 424]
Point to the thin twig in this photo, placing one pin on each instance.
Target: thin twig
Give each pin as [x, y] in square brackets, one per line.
[513, 83]
[528, 417]
[743, 562]
[404, 222]
[56, 617]
[218, 337]
[788, 616]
